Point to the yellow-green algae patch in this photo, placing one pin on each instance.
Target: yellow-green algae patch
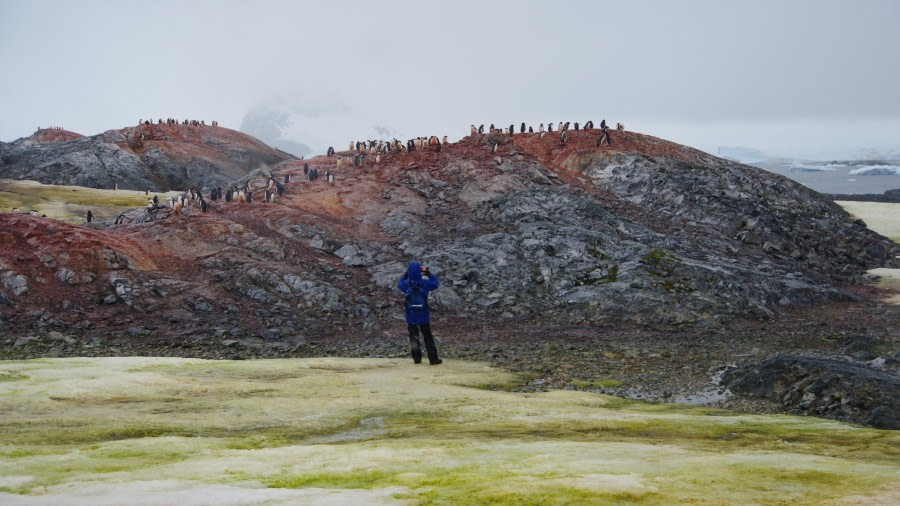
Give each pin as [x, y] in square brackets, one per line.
[380, 431]
[70, 203]
[882, 217]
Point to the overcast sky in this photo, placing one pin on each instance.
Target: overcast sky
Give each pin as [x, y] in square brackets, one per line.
[770, 74]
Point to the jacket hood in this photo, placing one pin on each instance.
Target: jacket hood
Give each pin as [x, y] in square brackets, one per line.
[414, 272]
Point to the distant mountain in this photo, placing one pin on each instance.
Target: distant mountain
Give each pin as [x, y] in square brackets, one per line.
[159, 157]
[270, 125]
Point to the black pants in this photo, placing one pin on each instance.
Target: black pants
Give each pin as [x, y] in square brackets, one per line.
[417, 346]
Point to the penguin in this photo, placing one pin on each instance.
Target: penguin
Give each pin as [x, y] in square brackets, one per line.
[559, 127]
[15, 210]
[351, 146]
[604, 135]
[228, 195]
[522, 129]
[541, 128]
[576, 126]
[280, 189]
[566, 126]
[512, 129]
[340, 163]
[378, 158]
[530, 130]
[287, 178]
[115, 186]
[562, 138]
[249, 197]
[473, 131]
[330, 151]
[90, 216]
[549, 128]
[437, 147]
[204, 207]
[589, 125]
[444, 140]
[33, 212]
[481, 129]
[147, 191]
[120, 220]
[494, 148]
[620, 127]
[505, 131]
[150, 204]
[241, 197]
[305, 169]
[602, 124]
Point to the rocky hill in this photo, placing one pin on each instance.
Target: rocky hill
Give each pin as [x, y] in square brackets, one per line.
[540, 240]
[159, 157]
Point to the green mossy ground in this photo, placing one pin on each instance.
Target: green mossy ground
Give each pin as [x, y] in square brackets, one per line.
[70, 203]
[882, 217]
[381, 431]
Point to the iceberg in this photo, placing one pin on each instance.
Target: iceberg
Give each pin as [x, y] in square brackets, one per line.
[802, 167]
[876, 170]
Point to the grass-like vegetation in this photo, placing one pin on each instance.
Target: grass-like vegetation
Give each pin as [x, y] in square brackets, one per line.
[382, 431]
[69, 203]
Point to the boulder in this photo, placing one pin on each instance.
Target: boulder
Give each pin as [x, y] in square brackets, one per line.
[823, 387]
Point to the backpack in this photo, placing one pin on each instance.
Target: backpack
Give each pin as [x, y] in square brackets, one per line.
[416, 300]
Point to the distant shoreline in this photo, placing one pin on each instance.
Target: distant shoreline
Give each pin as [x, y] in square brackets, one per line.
[890, 196]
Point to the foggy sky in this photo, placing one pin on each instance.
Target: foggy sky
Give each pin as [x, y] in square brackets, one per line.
[788, 73]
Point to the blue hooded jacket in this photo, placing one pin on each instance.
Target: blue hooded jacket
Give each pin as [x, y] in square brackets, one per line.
[412, 278]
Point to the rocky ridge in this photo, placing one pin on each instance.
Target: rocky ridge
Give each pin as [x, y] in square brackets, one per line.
[159, 157]
[533, 238]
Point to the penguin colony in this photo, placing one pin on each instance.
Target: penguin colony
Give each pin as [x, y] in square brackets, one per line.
[361, 152]
[562, 127]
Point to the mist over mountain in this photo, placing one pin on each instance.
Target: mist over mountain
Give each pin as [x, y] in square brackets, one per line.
[272, 127]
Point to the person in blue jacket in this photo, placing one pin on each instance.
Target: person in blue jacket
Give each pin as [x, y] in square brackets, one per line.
[415, 285]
